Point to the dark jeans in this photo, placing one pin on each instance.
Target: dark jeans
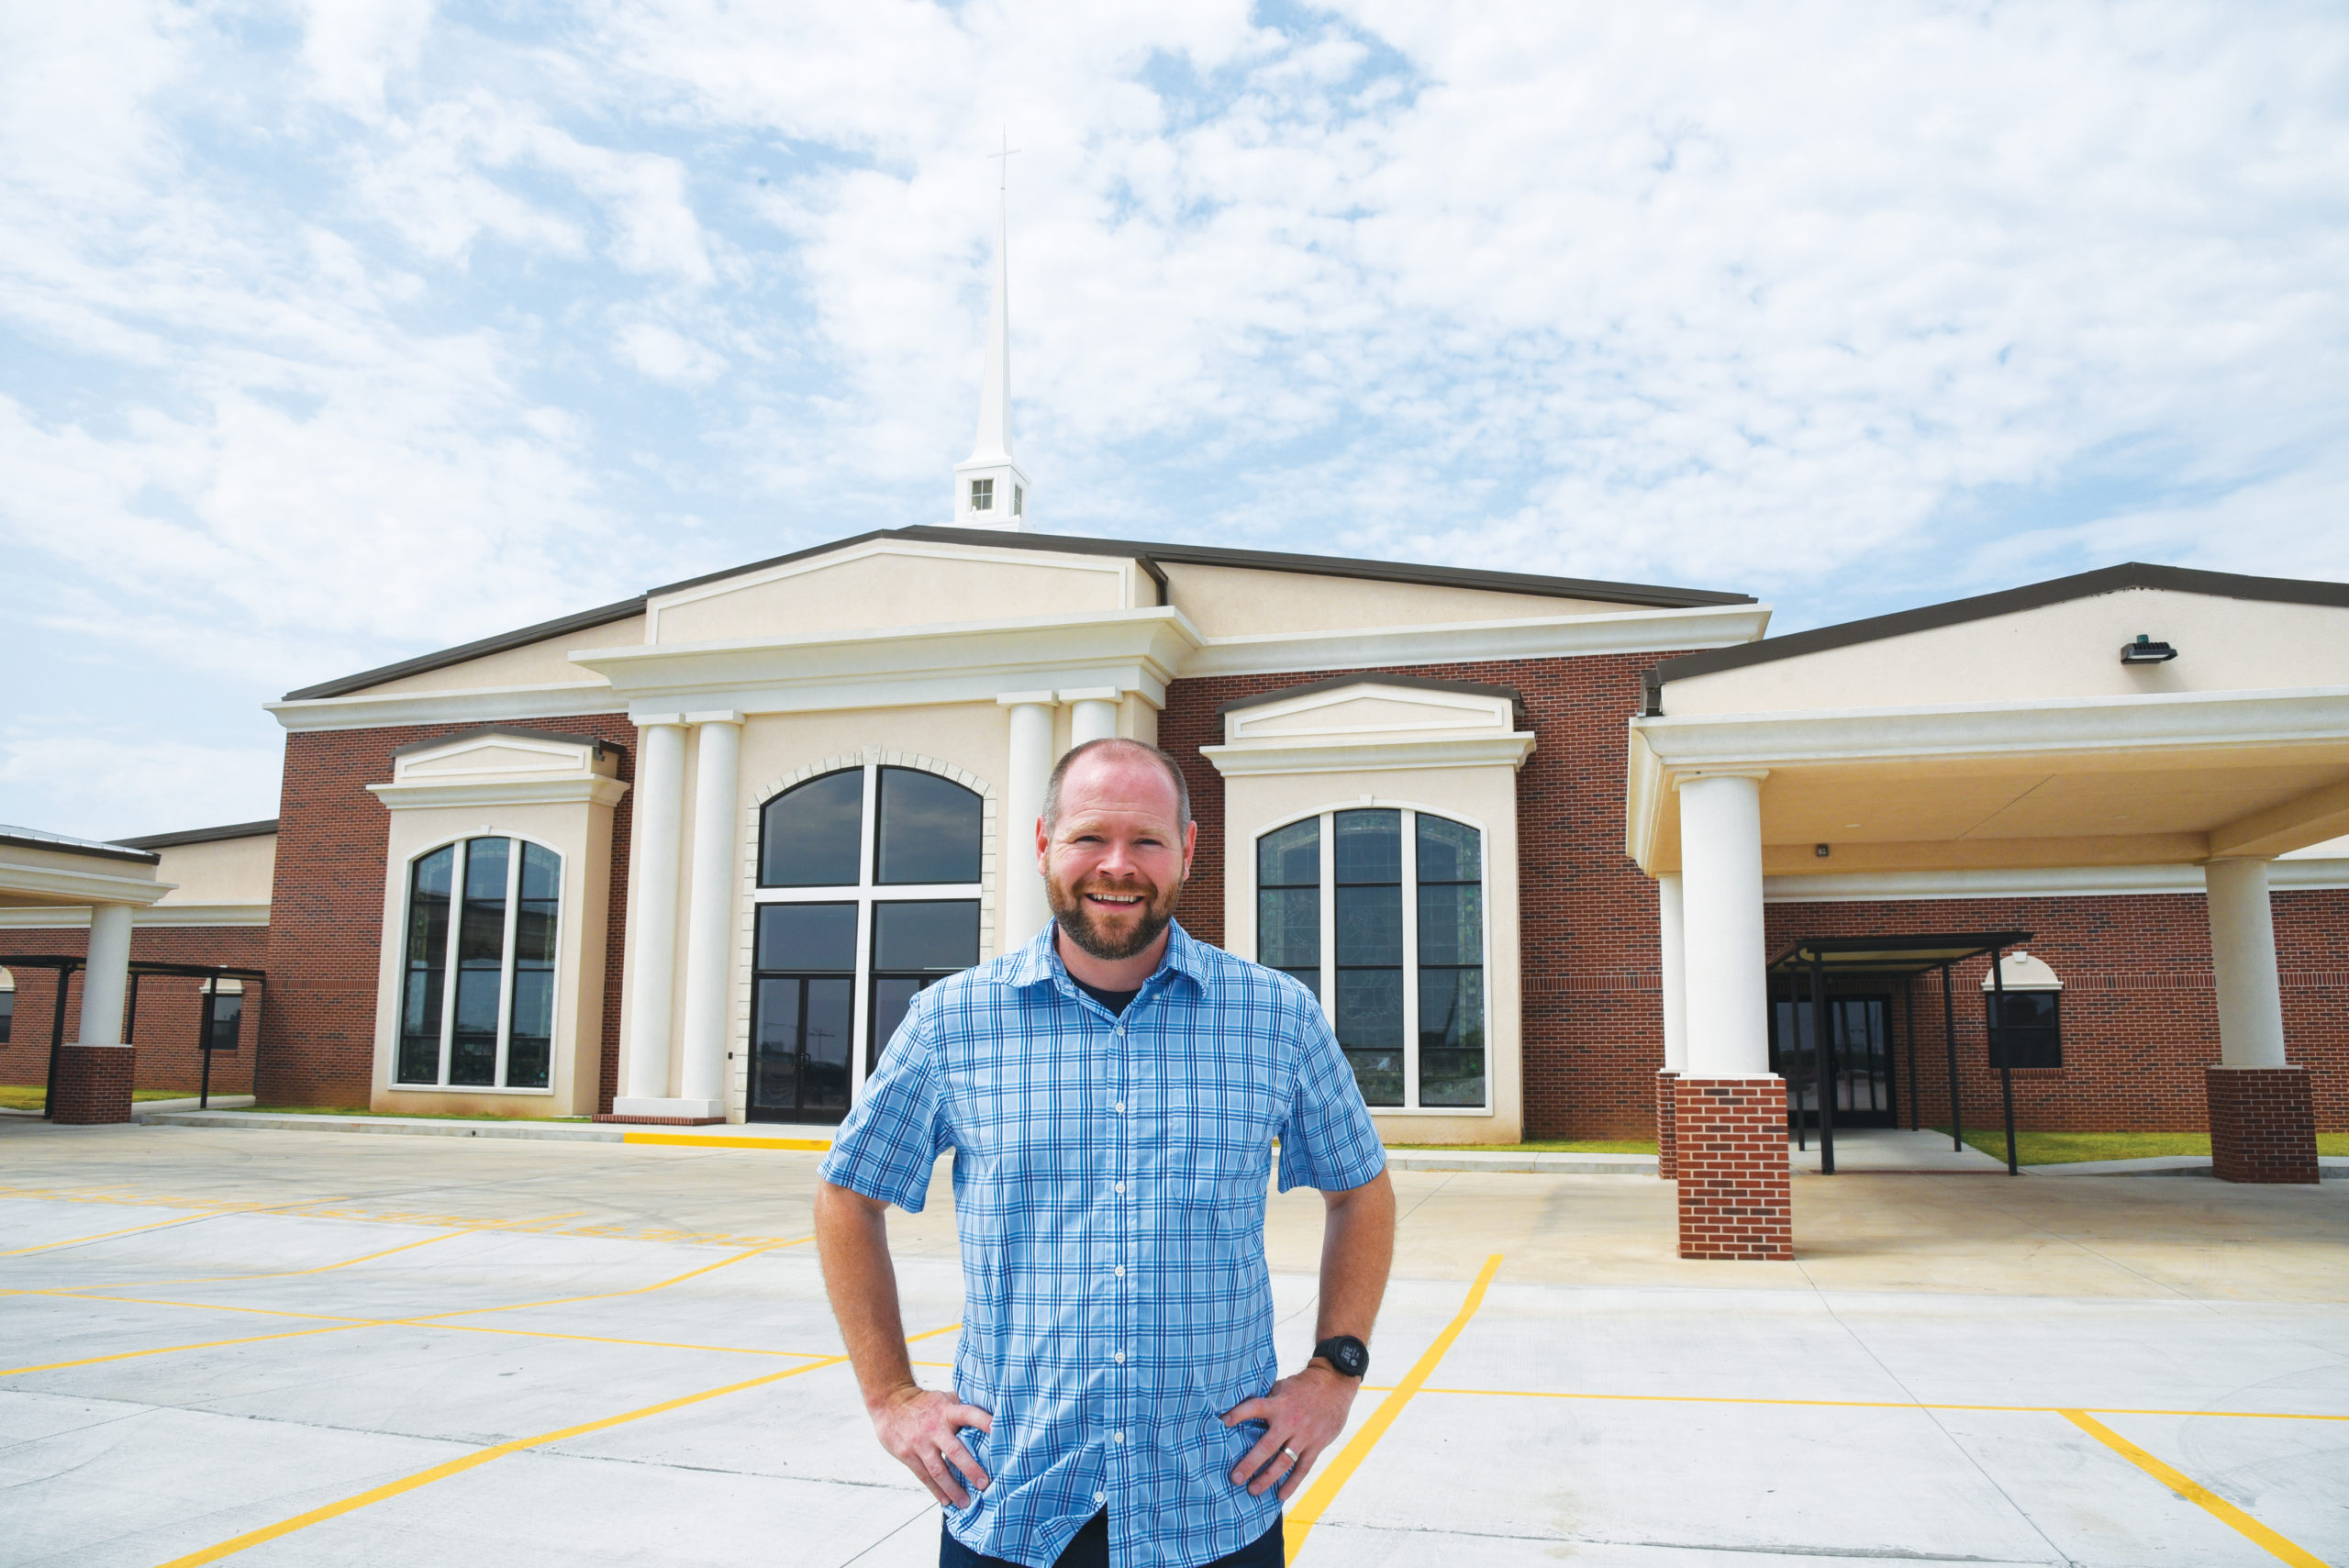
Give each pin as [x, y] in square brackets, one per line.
[1091, 1550]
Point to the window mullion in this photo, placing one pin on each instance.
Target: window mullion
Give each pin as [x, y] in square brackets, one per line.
[505, 961]
[1329, 893]
[860, 990]
[1410, 864]
[448, 963]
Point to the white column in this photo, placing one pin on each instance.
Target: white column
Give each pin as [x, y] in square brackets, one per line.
[709, 921]
[1093, 714]
[2243, 962]
[1029, 765]
[1672, 947]
[655, 845]
[1720, 871]
[105, 976]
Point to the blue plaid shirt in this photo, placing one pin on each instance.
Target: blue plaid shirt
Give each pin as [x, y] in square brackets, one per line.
[1109, 1178]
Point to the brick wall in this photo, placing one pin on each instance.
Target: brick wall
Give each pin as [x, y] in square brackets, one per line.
[1735, 1190]
[93, 1084]
[1592, 1007]
[164, 1026]
[2140, 1016]
[326, 909]
[2262, 1129]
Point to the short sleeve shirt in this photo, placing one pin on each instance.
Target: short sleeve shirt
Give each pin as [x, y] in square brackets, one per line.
[1109, 1188]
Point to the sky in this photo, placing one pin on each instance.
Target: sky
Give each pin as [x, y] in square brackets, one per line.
[332, 334]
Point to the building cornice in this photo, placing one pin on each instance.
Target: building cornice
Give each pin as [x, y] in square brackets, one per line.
[70, 916]
[1138, 650]
[1460, 642]
[525, 790]
[1245, 758]
[2037, 881]
[73, 885]
[478, 705]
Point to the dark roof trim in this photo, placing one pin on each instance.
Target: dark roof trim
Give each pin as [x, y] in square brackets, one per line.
[424, 662]
[1416, 682]
[1147, 556]
[81, 846]
[1983, 606]
[601, 747]
[1872, 955]
[203, 835]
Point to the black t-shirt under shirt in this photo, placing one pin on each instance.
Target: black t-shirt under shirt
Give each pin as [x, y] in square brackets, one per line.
[1116, 1001]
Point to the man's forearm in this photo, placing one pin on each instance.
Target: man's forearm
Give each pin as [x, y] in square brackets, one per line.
[852, 1240]
[1357, 1249]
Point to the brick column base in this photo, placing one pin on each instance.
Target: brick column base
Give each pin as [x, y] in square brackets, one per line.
[1667, 1146]
[93, 1084]
[1730, 1152]
[2263, 1124]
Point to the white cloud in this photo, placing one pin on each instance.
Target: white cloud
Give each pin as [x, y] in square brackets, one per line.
[123, 784]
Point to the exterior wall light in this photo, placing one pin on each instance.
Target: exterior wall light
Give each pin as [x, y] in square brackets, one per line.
[2146, 651]
[1821, 851]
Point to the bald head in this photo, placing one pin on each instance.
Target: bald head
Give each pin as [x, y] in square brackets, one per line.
[1115, 754]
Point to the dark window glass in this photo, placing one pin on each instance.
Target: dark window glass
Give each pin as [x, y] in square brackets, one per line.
[7, 1014]
[227, 1023]
[426, 968]
[916, 944]
[809, 836]
[1288, 901]
[1368, 851]
[803, 1021]
[481, 961]
[2030, 1032]
[530, 1041]
[1451, 959]
[807, 936]
[941, 936]
[930, 830]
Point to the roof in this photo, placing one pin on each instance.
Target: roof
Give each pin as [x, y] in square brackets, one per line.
[1416, 683]
[1984, 607]
[203, 835]
[34, 838]
[1146, 554]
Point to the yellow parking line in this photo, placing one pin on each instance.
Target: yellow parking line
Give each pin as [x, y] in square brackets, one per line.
[2194, 1492]
[687, 1140]
[479, 1457]
[428, 1320]
[1863, 1404]
[1317, 1496]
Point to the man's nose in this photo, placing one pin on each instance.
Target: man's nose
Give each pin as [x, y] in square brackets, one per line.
[1118, 859]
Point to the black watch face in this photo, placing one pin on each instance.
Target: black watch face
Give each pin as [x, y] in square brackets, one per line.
[1347, 1355]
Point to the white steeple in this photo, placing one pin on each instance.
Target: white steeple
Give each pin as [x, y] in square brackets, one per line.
[990, 491]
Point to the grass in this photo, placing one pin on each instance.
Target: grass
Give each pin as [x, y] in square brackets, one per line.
[2072, 1148]
[33, 1096]
[1550, 1146]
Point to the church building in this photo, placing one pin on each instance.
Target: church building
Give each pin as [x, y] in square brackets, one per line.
[1534, 840]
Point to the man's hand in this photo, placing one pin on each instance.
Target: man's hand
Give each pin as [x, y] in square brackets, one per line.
[1302, 1416]
[923, 1428]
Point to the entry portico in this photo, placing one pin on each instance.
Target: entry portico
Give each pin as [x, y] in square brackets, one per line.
[2140, 715]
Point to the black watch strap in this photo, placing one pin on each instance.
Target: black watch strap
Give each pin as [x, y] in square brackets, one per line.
[1348, 1354]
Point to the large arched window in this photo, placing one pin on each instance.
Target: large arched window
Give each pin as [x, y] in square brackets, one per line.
[484, 910]
[1402, 893]
[868, 892]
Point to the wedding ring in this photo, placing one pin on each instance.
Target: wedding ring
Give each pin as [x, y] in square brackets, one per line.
[1294, 1457]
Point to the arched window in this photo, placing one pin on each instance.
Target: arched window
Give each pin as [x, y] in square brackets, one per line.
[868, 892]
[8, 1004]
[485, 911]
[1402, 893]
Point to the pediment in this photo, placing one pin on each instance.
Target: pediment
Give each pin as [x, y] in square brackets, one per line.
[1374, 710]
[891, 583]
[501, 753]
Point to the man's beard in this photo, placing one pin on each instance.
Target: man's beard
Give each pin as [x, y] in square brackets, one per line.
[1076, 918]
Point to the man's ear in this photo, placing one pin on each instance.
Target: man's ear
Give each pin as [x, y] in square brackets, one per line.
[1190, 846]
[1044, 850]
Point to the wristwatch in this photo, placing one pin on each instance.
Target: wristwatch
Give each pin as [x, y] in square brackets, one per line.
[1348, 1354]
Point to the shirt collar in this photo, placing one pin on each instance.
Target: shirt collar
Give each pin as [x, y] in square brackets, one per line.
[1040, 964]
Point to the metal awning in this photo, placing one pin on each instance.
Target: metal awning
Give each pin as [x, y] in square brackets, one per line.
[1897, 956]
[65, 965]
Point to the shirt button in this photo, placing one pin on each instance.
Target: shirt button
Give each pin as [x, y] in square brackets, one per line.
[1100, 1496]
[1121, 1186]
[1121, 1107]
[1119, 1437]
[1120, 1356]
[1119, 1270]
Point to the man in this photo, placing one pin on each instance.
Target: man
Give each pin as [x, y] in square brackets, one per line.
[1111, 1093]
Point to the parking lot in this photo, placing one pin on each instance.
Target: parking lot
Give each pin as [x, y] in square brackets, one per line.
[280, 1348]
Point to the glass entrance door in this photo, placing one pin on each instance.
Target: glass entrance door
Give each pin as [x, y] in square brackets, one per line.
[1859, 1062]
